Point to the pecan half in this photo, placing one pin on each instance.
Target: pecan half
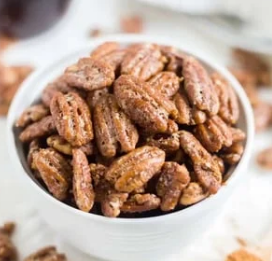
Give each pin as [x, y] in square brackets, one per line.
[82, 181]
[112, 126]
[214, 134]
[229, 107]
[186, 113]
[237, 135]
[206, 169]
[89, 74]
[34, 147]
[232, 154]
[141, 106]
[220, 162]
[112, 203]
[72, 118]
[94, 96]
[134, 170]
[55, 171]
[32, 114]
[173, 179]
[193, 194]
[263, 116]
[104, 49]
[264, 159]
[140, 203]
[242, 255]
[49, 253]
[199, 87]
[8, 251]
[38, 129]
[143, 61]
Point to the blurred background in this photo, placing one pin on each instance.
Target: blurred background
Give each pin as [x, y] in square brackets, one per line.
[234, 33]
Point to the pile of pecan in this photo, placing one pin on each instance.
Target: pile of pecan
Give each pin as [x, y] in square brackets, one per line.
[133, 131]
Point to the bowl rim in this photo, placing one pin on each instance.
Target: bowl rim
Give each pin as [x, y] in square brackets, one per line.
[128, 39]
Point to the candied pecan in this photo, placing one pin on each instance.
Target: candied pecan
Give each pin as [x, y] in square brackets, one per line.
[112, 203]
[199, 87]
[264, 158]
[97, 172]
[112, 126]
[131, 24]
[82, 181]
[193, 194]
[95, 32]
[89, 74]
[34, 147]
[135, 169]
[232, 154]
[60, 144]
[173, 179]
[220, 163]
[206, 169]
[214, 134]
[172, 127]
[141, 203]
[263, 116]
[49, 253]
[32, 114]
[237, 135]
[104, 49]
[186, 113]
[166, 83]
[38, 129]
[94, 96]
[55, 171]
[72, 118]
[242, 255]
[140, 106]
[143, 61]
[8, 251]
[229, 107]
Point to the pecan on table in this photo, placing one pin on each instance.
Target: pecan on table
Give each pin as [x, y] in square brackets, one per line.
[8, 251]
[49, 253]
[263, 116]
[264, 159]
[193, 194]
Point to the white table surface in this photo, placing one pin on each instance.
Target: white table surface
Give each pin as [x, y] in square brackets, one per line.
[248, 213]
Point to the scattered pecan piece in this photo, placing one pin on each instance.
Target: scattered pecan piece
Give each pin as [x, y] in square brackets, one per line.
[264, 159]
[38, 129]
[131, 24]
[95, 32]
[206, 169]
[112, 203]
[46, 254]
[143, 61]
[55, 171]
[112, 126]
[89, 74]
[72, 118]
[263, 116]
[173, 179]
[242, 255]
[232, 154]
[82, 181]
[135, 169]
[193, 194]
[229, 107]
[8, 251]
[140, 203]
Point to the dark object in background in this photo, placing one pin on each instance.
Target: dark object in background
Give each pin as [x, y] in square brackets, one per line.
[25, 18]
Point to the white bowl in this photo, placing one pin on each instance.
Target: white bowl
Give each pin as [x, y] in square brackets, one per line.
[155, 238]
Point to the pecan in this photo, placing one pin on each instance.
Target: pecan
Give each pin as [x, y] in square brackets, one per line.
[82, 181]
[46, 254]
[112, 203]
[72, 118]
[131, 24]
[32, 114]
[199, 87]
[141, 105]
[172, 127]
[237, 135]
[242, 255]
[232, 154]
[186, 113]
[143, 61]
[264, 158]
[104, 49]
[141, 203]
[89, 74]
[55, 171]
[214, 134]
[220, 162]
[263, 116]
[165, 83]
[112, 126]
[193, 194]
[38, 129]
[173, 179]
[61, 145]
[135, 169]
[229, 107]
[94, 96]
[206, 169]
[34, 147]
[8, 251]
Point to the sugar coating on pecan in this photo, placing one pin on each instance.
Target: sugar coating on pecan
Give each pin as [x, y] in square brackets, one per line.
[49, 253]
[199, 87]
[173, 179]
[232, 154]
[55, 171]
[135, 169]
[89, 74]
[206, 169]
[8, 251]
[140, 203]
[192, 194]
[82, 181]
[34, 146]
[94, 96]
[72, 118]
[111, 204]
[113, 127]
